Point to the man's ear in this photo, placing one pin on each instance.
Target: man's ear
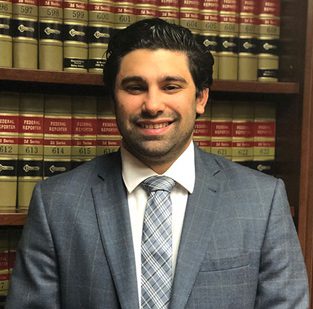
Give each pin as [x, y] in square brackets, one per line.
[202, 100]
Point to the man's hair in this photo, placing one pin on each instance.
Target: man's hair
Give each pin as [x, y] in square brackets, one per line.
[155, 33]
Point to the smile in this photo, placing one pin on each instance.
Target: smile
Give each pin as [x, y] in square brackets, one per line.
[154, 125]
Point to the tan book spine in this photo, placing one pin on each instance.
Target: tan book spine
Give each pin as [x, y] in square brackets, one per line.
[25, 34]
[242, 131]
[108, 135]
[247, 46]
[168, 10]
[9, 106]
[229, 31]
[57, 135]
[50, 35]
[202, 131]
[4, 262]
[145, 9]
[189, 15]
[264, 132]
[75, 45]
[221, 122]
[6, 45]
[100, 28]
[84, 129]
[30, 150]
[124, 14]
[209, 29]
[268, 40]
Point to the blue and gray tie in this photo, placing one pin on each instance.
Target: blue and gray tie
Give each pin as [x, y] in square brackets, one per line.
[156, 246]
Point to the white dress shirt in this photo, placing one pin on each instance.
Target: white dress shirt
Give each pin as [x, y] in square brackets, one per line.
[134, 172]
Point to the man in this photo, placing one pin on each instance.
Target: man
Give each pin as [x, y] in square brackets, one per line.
[233, 242]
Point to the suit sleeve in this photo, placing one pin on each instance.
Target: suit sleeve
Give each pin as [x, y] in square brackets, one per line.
[34, 282]
[282, 278]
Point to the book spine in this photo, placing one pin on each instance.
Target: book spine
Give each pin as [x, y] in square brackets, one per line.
[50, 35]
[209, 29]
[100, 27]
[9, 105]
[145, 9]
[57, 135]
[25, 34]
[247, 45]
[268, 40]
[124, 14]
[84, 129]
[30, 151]
[202, 131]
[221, 122]
[75, 45]
[108, 135]
[242, 131]
[168, 10]
[189, 15]
[228, 47]
[264, 132]
[4, 262]
[6, 45]
[14, 238]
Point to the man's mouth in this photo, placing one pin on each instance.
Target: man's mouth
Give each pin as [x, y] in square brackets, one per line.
[154, 125]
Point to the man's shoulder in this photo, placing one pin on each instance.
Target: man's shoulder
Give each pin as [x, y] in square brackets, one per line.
[231, 170]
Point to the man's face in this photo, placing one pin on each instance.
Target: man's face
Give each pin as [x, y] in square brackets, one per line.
[156, 105]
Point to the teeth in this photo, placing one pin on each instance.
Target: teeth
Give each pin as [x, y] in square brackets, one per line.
[154, 126]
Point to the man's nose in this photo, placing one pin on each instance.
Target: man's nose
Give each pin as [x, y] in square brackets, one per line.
[153, 102]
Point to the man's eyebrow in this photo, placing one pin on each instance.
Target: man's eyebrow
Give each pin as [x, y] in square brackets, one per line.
[171, 78]
[129, 79]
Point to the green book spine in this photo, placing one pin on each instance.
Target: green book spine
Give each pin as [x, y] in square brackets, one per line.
[9, 105]
[30, 151]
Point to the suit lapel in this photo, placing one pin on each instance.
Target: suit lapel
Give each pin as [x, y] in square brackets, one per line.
[111, 205]
[199, 218]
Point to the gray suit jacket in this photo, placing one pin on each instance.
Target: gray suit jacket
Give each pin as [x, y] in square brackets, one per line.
[239, 248]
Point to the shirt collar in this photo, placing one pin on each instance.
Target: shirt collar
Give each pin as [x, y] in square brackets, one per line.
[182, 170]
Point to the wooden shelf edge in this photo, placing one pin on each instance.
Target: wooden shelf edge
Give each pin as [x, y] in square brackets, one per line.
[90, 79]
[12, 219]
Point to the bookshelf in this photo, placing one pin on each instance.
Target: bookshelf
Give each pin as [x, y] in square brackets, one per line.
[293, 96]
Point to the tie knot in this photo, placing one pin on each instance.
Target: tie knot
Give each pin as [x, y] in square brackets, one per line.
[157, 183]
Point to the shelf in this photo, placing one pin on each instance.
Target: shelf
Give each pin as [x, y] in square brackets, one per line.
[89, 79]
[12, 219]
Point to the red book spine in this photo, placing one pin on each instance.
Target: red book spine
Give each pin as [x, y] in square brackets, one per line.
[168, 10]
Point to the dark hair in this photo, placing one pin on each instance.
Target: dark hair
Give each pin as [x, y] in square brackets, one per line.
[155, 33]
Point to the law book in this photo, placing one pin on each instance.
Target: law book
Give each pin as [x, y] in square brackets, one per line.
[25, 34]
[145, 9]
[124, 14]
[264, 132]
[202, 131]
[6, 45]
[75, 45]
[9, 109]
[51, 35]
[30, 148]
[57, 135]
[209, 29]
[84, 129]
[248, 44]
[242, 131]
[221, 124]
[100, 28]
[4, 262]
[189, 15]
[14, 238]
[168, 10]
[268, 40]
[228, 38]
[108, 135]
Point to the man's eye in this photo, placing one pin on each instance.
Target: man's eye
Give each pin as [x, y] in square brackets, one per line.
[134, 89]
[172, 88]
